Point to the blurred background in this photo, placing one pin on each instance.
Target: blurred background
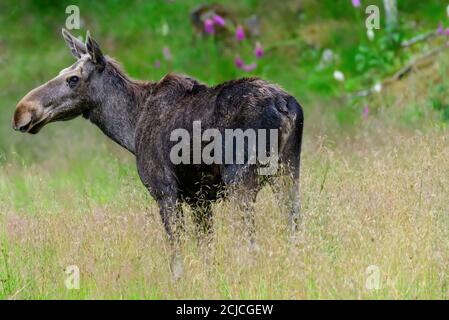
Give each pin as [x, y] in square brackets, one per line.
[375, 148]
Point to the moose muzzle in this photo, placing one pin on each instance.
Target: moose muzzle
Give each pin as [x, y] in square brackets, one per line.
[27, 115]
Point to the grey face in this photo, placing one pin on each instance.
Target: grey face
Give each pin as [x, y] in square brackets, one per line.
[67, 95]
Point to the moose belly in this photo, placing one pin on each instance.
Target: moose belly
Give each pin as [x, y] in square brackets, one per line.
[199, 181]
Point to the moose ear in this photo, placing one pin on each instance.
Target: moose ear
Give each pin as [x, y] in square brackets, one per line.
[93, 49]
[75, 45]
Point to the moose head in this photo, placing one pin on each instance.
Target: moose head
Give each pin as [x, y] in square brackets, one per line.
[71, 93]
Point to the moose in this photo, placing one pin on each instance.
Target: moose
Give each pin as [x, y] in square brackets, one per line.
[141, 115]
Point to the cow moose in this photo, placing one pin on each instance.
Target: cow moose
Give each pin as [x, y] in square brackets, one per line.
[141, 115]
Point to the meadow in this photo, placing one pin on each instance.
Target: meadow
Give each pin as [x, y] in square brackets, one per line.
[374, 176]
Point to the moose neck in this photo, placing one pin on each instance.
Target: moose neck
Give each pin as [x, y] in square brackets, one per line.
[118, 107]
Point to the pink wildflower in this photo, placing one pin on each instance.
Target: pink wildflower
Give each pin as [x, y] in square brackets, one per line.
[258, 50]
[356, 3]
[209, 26]
[218, 20]
[239, 62]
[250, 67]
[365, 111]
[239, 33]
[440, 29]
[167, 53]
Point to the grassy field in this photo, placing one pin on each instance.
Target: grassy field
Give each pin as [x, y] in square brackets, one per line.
[374, 187]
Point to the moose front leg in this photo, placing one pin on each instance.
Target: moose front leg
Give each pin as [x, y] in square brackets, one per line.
[172, 219]
[161, 184]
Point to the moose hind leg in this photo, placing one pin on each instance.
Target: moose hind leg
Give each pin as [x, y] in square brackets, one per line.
[286, 190]
[246, 204]
[294, 205]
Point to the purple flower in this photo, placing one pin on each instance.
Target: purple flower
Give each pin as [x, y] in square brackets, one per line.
[356, 3]
[440, 29]
[157, 64]
[365, 111]
[209, 26]
[218, 20]
[447, 31]
[167, 53]
[241, 65]
[239, 62]
[258, 50]
[250, 67]
[239, 33]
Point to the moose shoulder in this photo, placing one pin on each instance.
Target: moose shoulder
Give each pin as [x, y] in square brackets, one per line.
[143, 117]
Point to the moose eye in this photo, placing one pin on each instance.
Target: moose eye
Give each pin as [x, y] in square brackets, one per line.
[72, 81]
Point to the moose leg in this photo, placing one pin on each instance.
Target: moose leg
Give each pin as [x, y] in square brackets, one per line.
[294, 205]
[286, 189]
[293, 195]
[246, 201]
[291, 201]
[243, 188]
[171, 214]
[202, 216]
[162, 185]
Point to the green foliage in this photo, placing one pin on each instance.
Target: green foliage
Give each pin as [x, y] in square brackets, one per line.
[381, 56]
[439, 101]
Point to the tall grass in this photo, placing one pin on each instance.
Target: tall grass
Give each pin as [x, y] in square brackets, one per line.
[363, 204]
[374, 191]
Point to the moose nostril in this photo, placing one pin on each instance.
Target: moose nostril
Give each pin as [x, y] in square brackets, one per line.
[22, 127]
[25, 128]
